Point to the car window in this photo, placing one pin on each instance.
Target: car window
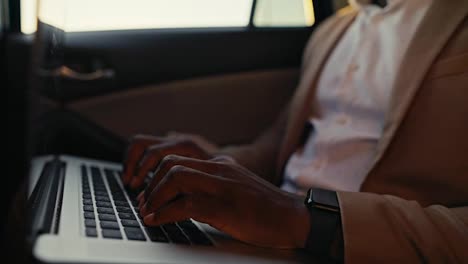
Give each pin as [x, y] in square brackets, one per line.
[284, 13]
[92, 15]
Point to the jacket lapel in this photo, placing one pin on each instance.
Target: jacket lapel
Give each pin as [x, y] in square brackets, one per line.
[300, 108]
[437, 27]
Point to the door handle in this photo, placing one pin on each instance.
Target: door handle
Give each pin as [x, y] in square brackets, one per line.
[68, 73]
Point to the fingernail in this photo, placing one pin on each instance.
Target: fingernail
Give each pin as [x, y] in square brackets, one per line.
[140, 199]
[147, 219]
[143, 210]
[140, 196]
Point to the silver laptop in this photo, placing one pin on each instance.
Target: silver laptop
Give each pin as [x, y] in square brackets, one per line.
[83, 214]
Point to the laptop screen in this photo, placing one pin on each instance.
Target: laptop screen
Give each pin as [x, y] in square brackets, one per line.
[46, 61]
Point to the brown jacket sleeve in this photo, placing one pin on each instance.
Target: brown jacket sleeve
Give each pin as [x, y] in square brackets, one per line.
[388, 229]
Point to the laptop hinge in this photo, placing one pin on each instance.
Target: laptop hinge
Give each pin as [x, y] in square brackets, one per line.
[45, 199]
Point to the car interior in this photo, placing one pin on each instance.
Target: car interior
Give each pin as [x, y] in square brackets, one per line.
[224, 83]
[102, 85]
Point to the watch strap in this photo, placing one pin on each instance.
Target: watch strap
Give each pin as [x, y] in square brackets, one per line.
[325, 218]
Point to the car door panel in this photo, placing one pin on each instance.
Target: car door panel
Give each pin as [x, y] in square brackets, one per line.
[140, 57]
[227, 108]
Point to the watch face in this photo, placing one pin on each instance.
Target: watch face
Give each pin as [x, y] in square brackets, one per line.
[324, 199]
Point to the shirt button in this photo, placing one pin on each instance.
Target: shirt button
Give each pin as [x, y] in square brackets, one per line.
[342, 120]
[317, 164]
[353, 67]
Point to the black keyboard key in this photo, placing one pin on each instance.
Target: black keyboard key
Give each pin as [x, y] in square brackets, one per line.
[91, 232]
[109, 174]
[194, 233]
[118, 194]
[100, 188]
[95, 173]
[116, 189]
[88, 208]
[86, 189]
[121, 209]
[89, 215]
[107, 217]
[87, 202]
[127, 216]
[103, 204]
[86, 195]
[84, 172]
[101, 193]
[121, 203]
[99, 184]
[198, 237]
[90, 223]
[122, 200]
[130, 223]
[111, 233]
[186, 224]
[172, 227]
[109, 225]
[96, 176]
[156, 234]
[105, 210]
[175, 234]
[102, 199]
[134, 233]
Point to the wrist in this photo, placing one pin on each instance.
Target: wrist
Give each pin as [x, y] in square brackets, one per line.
[301, 225]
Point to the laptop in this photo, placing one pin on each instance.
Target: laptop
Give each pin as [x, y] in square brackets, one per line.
[80, 212]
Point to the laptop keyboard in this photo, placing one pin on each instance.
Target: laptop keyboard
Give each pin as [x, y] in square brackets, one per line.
[111, 212]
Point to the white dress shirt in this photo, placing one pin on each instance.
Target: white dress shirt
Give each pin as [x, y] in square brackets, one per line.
[354, 91]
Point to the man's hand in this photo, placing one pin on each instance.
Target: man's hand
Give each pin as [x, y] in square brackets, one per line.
[227, 196]
[145, 152]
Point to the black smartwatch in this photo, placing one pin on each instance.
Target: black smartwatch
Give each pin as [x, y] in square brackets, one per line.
[325, 219]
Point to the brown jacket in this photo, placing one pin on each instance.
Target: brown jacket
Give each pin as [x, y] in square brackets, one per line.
[413, 204]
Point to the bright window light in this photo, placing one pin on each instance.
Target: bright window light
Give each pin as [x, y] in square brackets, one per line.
[99, 15]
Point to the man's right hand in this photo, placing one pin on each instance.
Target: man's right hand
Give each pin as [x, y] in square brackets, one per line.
[145, 152]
